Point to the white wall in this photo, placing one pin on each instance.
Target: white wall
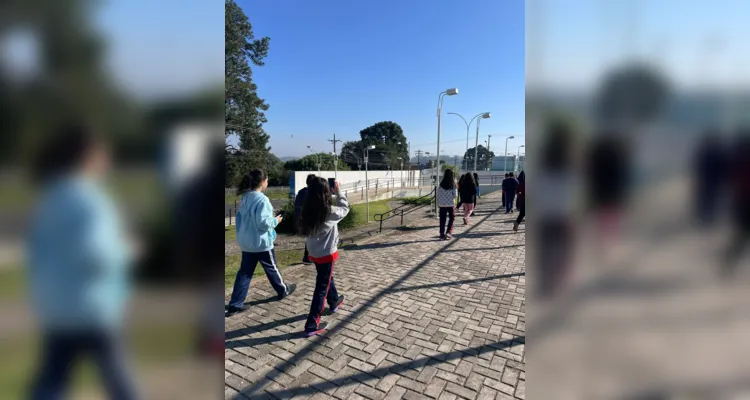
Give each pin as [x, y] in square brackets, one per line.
[410, 178]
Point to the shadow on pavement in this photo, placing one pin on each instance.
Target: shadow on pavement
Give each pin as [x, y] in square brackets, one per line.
[306, 351]
[454, 283]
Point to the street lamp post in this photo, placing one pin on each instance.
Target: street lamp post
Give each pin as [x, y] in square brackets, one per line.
[505, 159]
[449, 92]
[468, 124]
[317, 156]
[402, 171]
[367, 182]
[489, 153]
[518, 156]
[335, 165]
[476, 146]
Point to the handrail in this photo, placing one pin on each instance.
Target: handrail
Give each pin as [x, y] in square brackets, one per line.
[404, 209]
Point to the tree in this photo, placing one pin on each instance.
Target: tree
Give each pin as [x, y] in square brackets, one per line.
[386, 136]
[351, 154]
[310, 163]
[484, 158]
[632, 94]
[243, 109]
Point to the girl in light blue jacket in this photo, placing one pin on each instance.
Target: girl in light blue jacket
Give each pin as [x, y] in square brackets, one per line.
[255, 237]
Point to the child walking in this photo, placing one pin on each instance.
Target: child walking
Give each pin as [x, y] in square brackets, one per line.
[468, 191]
[446, 201]
[319, 223]
[255, 237]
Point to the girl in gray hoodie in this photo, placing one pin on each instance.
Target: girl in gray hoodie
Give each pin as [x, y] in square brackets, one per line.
[319, 223]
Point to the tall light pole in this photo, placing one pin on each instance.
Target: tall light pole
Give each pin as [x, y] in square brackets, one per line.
[476, 147]
[468, 124]
[367, 182]
[518, 156]
[317, 156]
[505, 159]
[449, 92]
[489, 153]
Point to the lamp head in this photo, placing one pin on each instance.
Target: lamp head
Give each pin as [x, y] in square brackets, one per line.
[511, 137]
[486, 115]
[451, 92]
[371, 147]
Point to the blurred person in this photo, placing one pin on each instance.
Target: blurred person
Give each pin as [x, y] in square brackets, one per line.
[510, 186]
[79, 265]
[255, 236]
[502, 191]
[460, 199]
[554, 209]
[299, 201]
[607, 177]
[476, 182]
[521, 200]
[739, 186]
[468, 192]
[320, 219]
[710, 171]
[446, 202]
[521, 175]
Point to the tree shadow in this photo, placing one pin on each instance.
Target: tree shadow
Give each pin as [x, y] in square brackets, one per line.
[353, 316]
[233, 344]
[263, 327]
[455, 283]
[485, 248]
[379, 373]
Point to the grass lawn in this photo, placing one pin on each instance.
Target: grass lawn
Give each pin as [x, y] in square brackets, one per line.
[273, 194]
[148, 344]
[12, 283]
[376, 207]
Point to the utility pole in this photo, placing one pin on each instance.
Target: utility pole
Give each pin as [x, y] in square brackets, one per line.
[335, 159]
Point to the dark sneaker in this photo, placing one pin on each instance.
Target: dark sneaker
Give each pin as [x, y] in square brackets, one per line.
[449, 236]
[290, 288]
[442, 237]
[338, 304]
[321, 327]
[231, 310]
[306, 261]
[466, 222]
[515, 226]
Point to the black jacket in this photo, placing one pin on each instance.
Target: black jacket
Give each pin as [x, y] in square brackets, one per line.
[299, 201]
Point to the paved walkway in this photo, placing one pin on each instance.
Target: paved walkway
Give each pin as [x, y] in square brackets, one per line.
[423, 319]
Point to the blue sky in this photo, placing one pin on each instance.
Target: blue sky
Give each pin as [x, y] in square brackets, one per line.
[336, 67]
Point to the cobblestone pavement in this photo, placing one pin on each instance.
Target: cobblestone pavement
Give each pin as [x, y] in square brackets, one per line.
[423, 319]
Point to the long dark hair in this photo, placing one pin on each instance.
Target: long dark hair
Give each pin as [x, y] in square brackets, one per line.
[317, 206]
[251, 181]
[64, 152]
[468, 180]
[448, 181]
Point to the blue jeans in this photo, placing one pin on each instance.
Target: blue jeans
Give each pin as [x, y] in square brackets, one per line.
[325, 290]
[509, 197]
[62, 349]
[247, 267]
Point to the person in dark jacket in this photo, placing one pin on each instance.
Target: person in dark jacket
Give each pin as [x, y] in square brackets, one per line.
[298, 202]
[739, 196]
[503, 192]
[460, 199]
[710, 169]
[468, 192]
[521, 201]
[510, 186]
[476, 183]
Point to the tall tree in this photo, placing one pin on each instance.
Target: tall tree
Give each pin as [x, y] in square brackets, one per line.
[244, 110]
[311, 162]
[484, 158]
[632, 94]
[391, 144]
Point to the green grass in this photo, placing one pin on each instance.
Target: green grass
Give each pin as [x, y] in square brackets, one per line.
[284, 258]
[376, 207]
[421, 201]
[12, 283]
[273, 194]
[148, 344]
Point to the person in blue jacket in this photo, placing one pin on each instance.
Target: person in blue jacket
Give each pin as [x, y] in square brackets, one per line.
[255, 236]
[79, 265]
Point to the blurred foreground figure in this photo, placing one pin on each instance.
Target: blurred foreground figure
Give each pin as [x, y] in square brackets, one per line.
[740, 202]
[555, 208]
[710, 171]
[78, 264]
[607, 170]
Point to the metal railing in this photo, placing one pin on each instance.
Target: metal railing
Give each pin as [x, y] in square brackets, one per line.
[405, 209]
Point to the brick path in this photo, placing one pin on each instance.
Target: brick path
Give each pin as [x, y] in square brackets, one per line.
[423, 319]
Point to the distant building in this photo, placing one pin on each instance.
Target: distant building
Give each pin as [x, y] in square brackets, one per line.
[509, 163]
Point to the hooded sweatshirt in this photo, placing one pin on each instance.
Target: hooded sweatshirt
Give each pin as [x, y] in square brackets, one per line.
[323, 245]
[255, 223]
